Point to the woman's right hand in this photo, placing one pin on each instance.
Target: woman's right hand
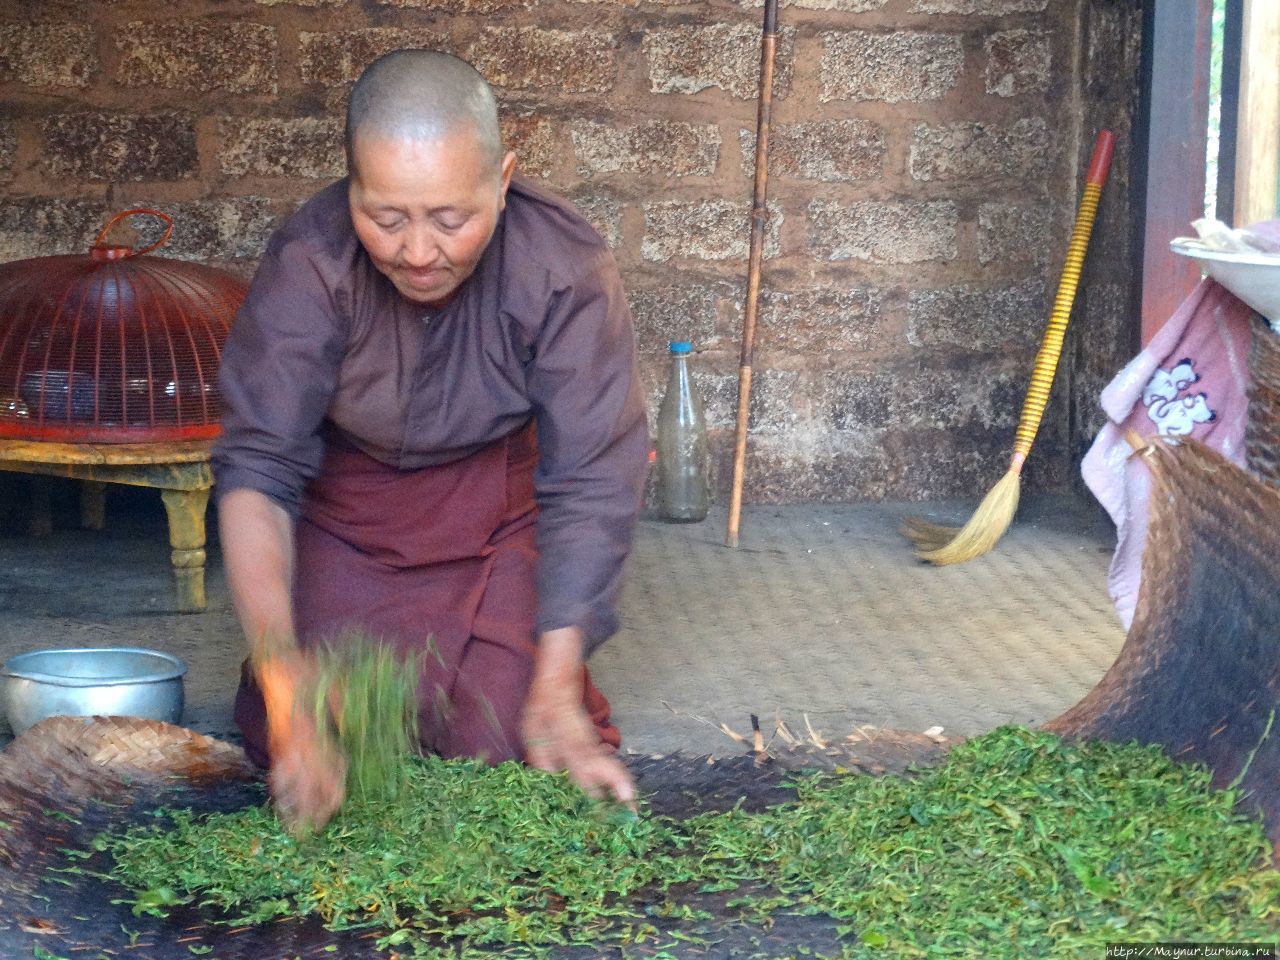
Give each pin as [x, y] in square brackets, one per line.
[308, 773]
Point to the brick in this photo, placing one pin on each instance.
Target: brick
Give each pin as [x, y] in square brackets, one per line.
[883, 232]
[224, 229]
[632, 3]
[944, 464]
[674, 149]
[969, 152]
[303, 147]
[689, 59]
[537, 143]
[780, 401]
[604, 213]
[815, 466]
[41, 227]
[688, 309]
[820, 321]
[1087, 414]
[47, 54]
[970, 391]
[198, 55]
[990, 8]
[843, 6]
[977, 318]
[459, 6]
[704, 229]
[1018, 61]
[525, 58]
[8, 145]
[113, 147]
[1013, 232]
[902, 66]
[338, 58]
[833, 151]
[1104, 329]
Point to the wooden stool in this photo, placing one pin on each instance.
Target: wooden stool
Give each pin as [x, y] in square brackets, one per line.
[179, 470]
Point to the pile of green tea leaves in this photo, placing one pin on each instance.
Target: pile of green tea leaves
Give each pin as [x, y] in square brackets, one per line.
[1020, 845]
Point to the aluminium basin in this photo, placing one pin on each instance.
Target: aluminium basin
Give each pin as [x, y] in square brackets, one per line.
[84, 682]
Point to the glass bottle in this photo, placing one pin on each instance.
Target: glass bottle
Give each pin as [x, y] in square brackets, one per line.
[684, 490]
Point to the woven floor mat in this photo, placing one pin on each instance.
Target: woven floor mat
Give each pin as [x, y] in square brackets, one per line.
[68, 779]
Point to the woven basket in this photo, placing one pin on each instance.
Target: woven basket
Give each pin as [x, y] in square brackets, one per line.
[1199, 672]
[63, 763]
[1262, 428]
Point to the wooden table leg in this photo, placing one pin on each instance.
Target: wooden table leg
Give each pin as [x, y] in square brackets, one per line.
[186, 510]
[93, 504]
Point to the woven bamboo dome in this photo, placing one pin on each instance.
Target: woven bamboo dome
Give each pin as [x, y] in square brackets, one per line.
[113, 346]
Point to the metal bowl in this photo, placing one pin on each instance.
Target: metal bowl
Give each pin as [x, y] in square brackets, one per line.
[115, 682]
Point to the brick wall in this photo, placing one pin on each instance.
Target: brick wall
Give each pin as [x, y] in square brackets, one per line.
[924, 162]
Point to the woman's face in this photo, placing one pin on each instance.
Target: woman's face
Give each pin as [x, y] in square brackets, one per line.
[425, 209]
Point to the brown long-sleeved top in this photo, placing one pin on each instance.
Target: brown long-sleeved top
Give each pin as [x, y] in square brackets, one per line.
[324, 344]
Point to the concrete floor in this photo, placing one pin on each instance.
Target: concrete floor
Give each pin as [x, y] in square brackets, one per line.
[822, 613]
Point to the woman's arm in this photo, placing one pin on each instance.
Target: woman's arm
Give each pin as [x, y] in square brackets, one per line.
[257, 546]
[307, 777]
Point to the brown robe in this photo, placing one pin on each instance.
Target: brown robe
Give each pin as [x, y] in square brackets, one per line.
[441, 563]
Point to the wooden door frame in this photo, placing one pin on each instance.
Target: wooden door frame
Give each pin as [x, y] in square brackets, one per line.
[1171, 136]
[1170, 140]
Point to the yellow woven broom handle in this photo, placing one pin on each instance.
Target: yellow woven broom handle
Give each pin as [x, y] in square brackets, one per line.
[1051, 344]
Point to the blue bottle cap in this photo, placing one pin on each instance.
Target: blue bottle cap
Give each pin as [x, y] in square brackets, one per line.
[681, 346]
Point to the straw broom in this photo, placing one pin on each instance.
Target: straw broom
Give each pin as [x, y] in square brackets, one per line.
[942, 544]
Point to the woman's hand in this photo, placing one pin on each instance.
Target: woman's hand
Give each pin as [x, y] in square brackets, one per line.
[308, 774]
[558, 734]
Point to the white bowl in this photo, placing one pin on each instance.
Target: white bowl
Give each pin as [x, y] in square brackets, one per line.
[107, 682]
[1253, 277]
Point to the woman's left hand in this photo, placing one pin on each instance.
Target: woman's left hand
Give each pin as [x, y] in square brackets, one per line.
[558, 734]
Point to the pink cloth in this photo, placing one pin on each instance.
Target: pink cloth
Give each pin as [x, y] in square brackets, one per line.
[1191, 380]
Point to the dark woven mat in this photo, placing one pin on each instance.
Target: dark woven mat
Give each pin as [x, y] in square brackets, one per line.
[1199, 672]
[67, 780]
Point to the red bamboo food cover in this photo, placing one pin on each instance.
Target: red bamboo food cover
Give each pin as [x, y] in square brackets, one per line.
[114, 346]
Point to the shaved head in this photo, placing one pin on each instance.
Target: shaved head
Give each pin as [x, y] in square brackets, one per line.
[423, 96]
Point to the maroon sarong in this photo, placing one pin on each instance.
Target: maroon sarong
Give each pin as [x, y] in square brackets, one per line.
[440, 562]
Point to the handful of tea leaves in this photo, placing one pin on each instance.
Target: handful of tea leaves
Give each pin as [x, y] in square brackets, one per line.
[365, 695]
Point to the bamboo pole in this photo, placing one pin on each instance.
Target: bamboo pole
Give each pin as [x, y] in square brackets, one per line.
[759, 213]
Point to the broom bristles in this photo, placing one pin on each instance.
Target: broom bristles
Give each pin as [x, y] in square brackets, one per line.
[926, 535]
[942, 545]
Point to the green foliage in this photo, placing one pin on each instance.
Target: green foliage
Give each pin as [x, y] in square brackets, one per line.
[491, 855]
[1020, 845]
